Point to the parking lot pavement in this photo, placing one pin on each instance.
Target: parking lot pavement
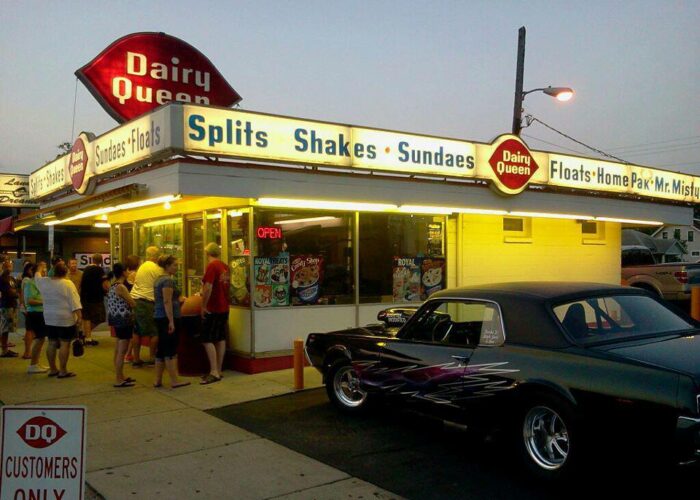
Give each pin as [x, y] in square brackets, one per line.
[416, 456]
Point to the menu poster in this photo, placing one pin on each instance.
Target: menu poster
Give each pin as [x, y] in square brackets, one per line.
[406, 279]
[307, 278]
[432, 276]
[239, 291]
[435, 239]
[271, 281]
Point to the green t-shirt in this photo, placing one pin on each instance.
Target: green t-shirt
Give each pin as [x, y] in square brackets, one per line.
[31, 292]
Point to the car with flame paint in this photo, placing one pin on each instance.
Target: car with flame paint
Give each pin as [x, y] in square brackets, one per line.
[571, 372]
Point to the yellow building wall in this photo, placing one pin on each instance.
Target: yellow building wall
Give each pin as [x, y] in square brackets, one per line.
[553, 251]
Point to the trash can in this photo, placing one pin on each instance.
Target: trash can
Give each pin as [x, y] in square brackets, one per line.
[191, 357]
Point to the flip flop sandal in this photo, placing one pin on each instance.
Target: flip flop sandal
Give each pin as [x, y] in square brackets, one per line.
[181, 384]
[54, 374]
[210, 379]
[124, 383]
[156, 386]
[129, 379]
[66, 375]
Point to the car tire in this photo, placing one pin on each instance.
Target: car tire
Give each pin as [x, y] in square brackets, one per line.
[549, 438]
[343, 388]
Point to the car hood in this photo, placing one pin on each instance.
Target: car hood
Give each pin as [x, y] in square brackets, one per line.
[680, 354]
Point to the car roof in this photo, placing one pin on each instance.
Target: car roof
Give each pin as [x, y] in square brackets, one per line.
[534, 290]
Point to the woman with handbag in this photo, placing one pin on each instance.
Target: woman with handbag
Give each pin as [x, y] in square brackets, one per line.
[62, 313]
[120, 316]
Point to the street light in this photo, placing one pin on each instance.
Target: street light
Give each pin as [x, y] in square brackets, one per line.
[560, 93]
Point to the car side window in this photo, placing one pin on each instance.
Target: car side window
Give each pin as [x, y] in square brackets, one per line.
[457, 322]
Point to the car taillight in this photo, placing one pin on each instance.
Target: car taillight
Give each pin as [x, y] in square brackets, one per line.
[681, 276]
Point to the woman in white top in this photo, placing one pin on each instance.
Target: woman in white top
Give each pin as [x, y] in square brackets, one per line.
[62, 314]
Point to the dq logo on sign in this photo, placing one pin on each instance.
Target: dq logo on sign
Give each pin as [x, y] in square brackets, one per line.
[513, 166]
[79, 164]
[40, 432]
[142, 71]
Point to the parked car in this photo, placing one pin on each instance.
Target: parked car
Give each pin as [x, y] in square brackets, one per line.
[558, 366]
[672, 281]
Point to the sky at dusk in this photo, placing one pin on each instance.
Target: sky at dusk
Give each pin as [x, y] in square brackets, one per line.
[443, 68]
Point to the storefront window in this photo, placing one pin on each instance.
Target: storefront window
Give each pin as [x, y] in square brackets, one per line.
[166, 234]
[116, 244]
[213, 227]
[239, 257]
[302, 258]
[402, 257]
[195, 254]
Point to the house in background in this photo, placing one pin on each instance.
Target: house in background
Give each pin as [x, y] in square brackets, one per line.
[668, 250]
[688, 235]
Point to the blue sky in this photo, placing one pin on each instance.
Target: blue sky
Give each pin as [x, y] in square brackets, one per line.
[441, 67]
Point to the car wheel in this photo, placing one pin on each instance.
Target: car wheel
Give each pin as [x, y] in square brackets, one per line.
[549, 437]
[344, 390]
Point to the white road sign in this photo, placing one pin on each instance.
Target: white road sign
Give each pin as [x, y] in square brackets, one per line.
[43, 452]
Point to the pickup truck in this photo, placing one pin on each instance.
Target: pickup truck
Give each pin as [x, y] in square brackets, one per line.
[672, 281]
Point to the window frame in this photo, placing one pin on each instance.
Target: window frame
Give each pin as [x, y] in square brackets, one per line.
[441, 300]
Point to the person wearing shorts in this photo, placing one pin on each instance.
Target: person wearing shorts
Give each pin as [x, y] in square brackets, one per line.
[142, 292]
[8, 308]
[120, 308]
[167, 318]
[215, 305]
[62, 313]
[93, 287]
[34, 319]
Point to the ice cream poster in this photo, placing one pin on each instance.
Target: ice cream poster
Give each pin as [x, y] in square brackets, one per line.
[432, 276]
[239, 292]
[407, 279]
[272, 278]
[307, 278]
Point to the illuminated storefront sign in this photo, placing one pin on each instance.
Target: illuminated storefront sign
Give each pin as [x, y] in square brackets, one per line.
[507, 163]
[14, 191]
[142, 71]
[269, 233]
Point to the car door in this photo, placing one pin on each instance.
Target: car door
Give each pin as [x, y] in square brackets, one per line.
[427, 360]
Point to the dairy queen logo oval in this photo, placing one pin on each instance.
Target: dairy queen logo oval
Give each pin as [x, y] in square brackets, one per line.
[512, 165]
[142, 71]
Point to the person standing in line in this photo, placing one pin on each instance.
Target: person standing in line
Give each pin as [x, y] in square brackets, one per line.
[28, 333]
[93, 287]
[167, 318]
[215, 305]
[120, 313]
[75, 274]
[8, 307]
[34, 316]
[132, 263]
[142, 292]
[54, 260]
[62, 313]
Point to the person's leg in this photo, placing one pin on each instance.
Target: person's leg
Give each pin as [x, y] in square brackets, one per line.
[220, 354]
[51, 355]
[210, 349]
[120, 349]
[37, 344]
[87, 329]
[63, 354]
[28, 340]
[153, 347]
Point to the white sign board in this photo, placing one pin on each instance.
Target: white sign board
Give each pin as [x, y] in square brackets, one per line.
[43, 452]
[85, 259]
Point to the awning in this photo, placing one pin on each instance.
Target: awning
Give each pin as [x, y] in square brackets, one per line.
[36, 217]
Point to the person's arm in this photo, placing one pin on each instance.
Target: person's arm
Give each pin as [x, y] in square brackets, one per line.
[124, 294]
[74, 299]
[206, 294]
[168, 303]
[105, 283]
[21, 294]
[29, 300]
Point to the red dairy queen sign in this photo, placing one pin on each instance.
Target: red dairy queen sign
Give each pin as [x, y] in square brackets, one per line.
[142, 71]
[513, 166]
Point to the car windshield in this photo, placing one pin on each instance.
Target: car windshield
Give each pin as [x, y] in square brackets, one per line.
[618, 317]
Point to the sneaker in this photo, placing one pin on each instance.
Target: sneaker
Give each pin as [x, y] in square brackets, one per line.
[36, 369]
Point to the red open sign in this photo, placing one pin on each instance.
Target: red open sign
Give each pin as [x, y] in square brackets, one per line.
[269, 233]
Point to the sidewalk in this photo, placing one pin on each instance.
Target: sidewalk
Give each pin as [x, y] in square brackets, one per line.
[159, 443]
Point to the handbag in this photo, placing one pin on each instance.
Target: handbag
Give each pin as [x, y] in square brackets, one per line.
[78, 348]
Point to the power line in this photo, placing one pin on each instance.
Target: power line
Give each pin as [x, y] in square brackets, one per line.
[644, 145]
[694, 145]
[529, 119]
[553, 144]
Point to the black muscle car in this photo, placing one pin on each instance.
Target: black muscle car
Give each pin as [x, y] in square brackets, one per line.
[572, 371]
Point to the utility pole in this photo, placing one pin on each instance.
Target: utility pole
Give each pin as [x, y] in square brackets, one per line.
[518, 105]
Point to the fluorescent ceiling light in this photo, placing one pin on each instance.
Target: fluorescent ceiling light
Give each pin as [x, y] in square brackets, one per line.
[551, 215]
[234, 213]
[479, 211]
[630, 221]
[422, 209]
[102, 224]
[325, 205]
[150, 201]
[302, 221]
[214, 216]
